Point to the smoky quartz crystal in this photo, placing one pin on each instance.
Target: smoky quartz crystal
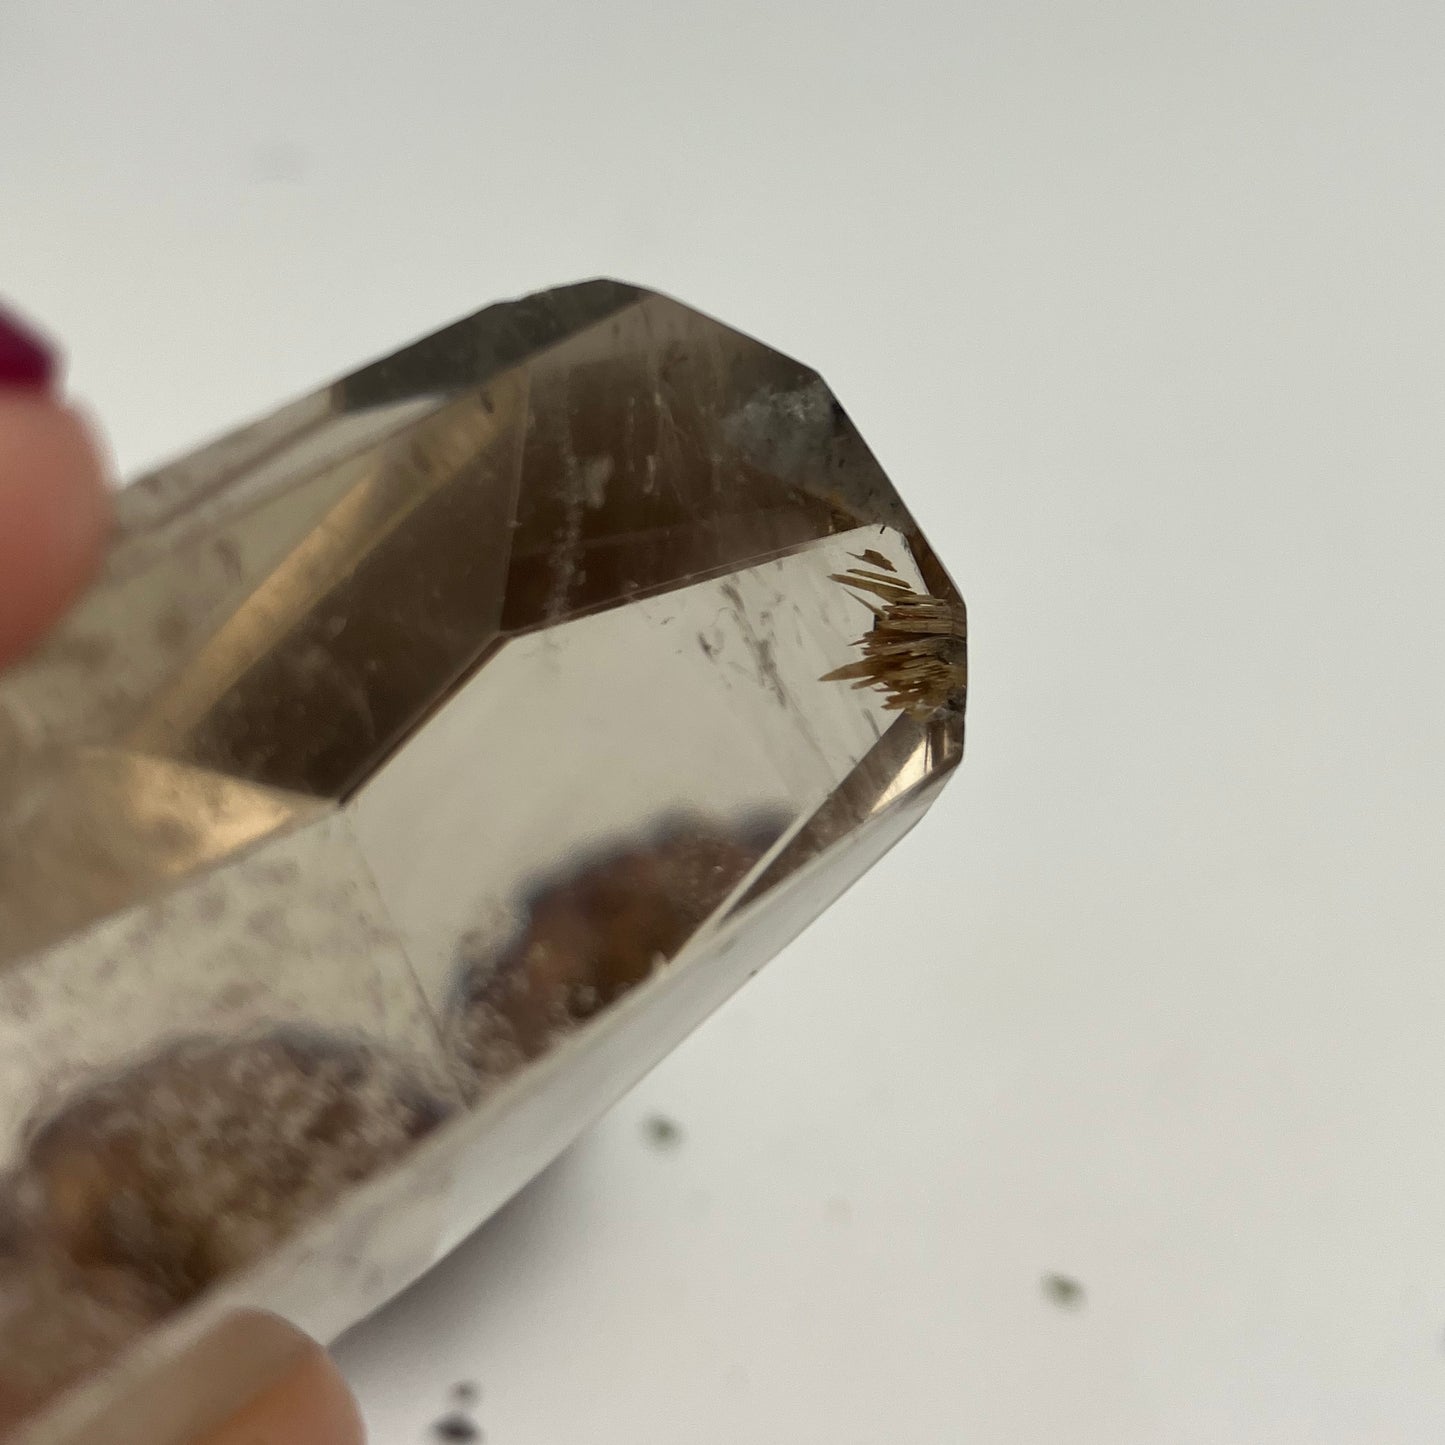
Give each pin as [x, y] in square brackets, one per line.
[430, 758]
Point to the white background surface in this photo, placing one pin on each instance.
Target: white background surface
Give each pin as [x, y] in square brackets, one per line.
[1142, 305]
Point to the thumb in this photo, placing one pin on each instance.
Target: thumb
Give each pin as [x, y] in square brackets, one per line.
[54, 504]
[252, 1379]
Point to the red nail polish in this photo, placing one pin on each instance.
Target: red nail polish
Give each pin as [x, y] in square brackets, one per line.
[25, 360]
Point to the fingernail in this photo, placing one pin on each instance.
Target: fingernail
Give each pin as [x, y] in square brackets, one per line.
[27, 361]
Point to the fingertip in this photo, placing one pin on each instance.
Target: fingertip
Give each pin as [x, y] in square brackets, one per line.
[310, 1403]
[251, 1379]
[55, 514]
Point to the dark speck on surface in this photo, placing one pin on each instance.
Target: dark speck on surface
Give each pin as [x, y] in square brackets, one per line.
[466, 1392]
[456, 1427]
[1067, 1293]
[662, 1132]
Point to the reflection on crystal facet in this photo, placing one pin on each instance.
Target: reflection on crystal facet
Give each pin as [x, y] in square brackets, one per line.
[467, 731]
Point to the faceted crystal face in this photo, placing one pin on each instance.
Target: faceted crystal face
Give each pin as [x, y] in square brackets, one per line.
[515, 696]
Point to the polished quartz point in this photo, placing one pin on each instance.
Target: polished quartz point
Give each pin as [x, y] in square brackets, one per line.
[430, 758]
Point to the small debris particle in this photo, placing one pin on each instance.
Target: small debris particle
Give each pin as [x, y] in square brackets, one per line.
[1067, 1293]
[662, 1132]
[466, 1392]
[456, 1427]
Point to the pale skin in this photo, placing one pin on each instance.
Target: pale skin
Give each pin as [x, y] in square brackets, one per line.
[54, 522]
[308, 1404]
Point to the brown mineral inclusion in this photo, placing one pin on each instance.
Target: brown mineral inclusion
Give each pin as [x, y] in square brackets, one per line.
[432, 755]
